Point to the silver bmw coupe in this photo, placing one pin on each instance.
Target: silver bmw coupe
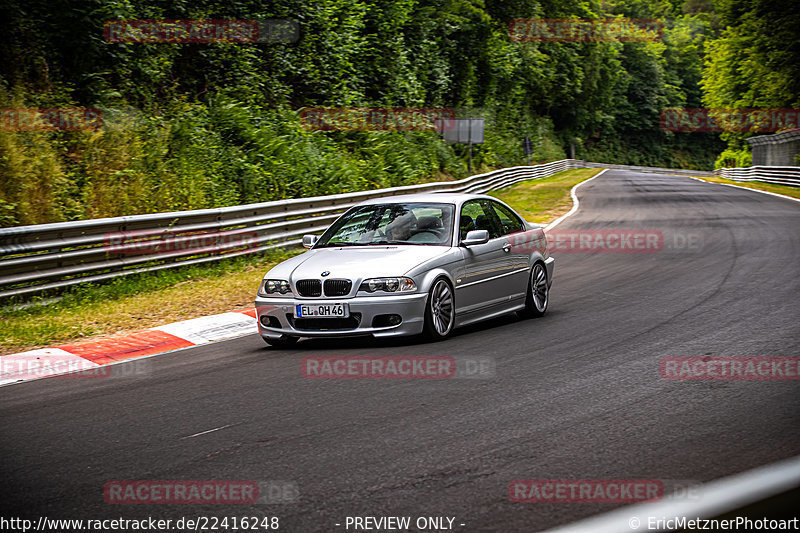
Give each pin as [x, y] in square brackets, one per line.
[408, 265]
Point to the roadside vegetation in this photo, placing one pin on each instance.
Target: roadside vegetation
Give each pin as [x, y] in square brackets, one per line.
[197, 125]
[143, 301]
[544, 200]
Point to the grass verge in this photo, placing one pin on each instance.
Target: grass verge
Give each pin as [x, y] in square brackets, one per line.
[148, 300]
[546, 199]
[785, 190]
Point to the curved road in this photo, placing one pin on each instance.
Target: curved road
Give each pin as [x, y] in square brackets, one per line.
[576, 394]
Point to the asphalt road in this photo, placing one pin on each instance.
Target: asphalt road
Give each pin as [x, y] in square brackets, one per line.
[575, 395]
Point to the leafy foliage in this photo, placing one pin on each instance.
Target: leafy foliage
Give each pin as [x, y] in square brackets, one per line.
[203, 125]
[754, 63]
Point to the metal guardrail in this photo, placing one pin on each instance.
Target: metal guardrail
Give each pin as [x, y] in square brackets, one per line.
[651, 170]
[765, 492]
[777, 175]
[52, 256]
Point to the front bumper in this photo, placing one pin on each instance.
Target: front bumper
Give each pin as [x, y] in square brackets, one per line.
[550, 264]
[410, 308]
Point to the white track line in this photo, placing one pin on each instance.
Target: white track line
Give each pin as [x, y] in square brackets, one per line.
[746, 188]
[575, 202]
[206, 432]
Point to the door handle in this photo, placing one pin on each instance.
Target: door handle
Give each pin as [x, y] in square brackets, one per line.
[506, 247]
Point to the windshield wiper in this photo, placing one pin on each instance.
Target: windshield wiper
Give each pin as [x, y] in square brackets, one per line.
[394, 242]
[372, 243]
[337, 244]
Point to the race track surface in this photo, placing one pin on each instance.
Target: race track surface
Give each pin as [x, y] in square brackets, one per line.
[577, 394]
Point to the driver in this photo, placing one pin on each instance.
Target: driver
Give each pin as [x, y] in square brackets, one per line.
[402, 227]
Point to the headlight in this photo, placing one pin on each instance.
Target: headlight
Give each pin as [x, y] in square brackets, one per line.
[274, 286]
[388, 285]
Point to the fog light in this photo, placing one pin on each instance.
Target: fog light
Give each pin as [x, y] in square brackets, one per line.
[384, 321]
[269, 321]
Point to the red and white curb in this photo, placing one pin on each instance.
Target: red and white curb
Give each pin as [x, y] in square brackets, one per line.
[89, 355]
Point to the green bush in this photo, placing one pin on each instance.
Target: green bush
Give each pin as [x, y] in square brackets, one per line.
[732, 158]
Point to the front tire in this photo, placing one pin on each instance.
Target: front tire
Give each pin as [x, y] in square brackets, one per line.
[440, 311]
[282, 342]
[538, 295]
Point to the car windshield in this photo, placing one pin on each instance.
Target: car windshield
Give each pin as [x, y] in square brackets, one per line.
[400, 223]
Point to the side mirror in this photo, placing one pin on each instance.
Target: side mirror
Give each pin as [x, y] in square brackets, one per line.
[310, 240]
[477, 236]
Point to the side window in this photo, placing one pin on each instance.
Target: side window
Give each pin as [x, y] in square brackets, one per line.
[475, 214]
[469, 212]
[509, 221]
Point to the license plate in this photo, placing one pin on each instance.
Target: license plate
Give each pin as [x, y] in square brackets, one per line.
[321, 311]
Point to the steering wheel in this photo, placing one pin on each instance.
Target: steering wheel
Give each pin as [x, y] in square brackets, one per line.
[378, 235]
[421, 236]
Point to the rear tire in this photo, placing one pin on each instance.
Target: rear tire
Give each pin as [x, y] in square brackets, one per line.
[538, 293]
[440, 311]
[282, 342]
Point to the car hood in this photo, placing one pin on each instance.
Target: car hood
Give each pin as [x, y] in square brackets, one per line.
[356, 263]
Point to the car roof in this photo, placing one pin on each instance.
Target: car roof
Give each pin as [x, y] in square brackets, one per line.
[429, 197]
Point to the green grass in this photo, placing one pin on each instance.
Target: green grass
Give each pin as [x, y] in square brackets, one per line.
[545, 199]
[147, 300]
